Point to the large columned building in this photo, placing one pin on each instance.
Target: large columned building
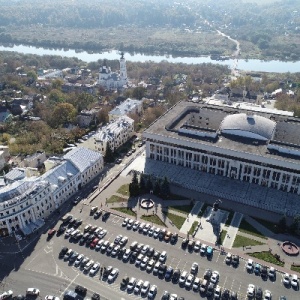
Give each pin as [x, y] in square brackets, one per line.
[255, 147]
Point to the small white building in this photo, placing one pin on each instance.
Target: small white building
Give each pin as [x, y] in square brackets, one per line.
[114, 134]
[113, 80]
[129, 106]
[35, 160]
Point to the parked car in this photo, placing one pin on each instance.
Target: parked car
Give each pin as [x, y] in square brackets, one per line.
[184, 243]
[79, 289]
[235, 260]
[6, 294]
[32, 291]
[145, 288]
[182, 278]
[196, 284]
[272, 273]
[194, 268]
[286, 279]
[189, 281]
[113, 275]
[152, 292]
[94, 269]
[215, 277]
[138, 286]
[228, 258]
[249, 265]
[294, 281]
[124, 282]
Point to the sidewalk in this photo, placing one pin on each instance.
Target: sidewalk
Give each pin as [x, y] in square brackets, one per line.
[232, 230]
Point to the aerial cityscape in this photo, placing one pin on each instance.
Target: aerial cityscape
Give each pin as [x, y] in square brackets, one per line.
[149, 149]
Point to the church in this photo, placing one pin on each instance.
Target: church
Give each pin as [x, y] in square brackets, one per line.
[113, 80]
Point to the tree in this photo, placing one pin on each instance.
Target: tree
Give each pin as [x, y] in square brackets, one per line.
[109, 155]
[32, 74]
[142, 182]
[63, 113]
[138, 92]
[149, 184]
[295, 225]
[134, 186]
[165, 187]
[156, 189]
[282, 224]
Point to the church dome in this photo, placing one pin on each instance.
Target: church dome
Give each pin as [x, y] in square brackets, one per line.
[248, 125]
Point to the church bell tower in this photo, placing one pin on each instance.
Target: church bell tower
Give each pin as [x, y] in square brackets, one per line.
[123, 70]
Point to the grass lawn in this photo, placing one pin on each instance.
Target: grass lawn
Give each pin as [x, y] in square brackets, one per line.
[222, 236]
[193, 227]
[153, 219]
[176, 220]
[267, 224]
[125, 210]
[182, 208]
[296, 269]
[124, 190]
[268, 257]
[241, 241]
[115, 198]
[248, 228]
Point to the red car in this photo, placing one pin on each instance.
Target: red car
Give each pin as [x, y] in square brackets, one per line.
[94, 243]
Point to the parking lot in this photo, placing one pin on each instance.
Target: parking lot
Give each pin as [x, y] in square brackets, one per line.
[54, 276]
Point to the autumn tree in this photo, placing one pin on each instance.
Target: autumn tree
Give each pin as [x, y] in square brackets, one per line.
[63, 113]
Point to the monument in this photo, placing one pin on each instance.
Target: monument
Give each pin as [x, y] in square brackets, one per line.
[216, 215]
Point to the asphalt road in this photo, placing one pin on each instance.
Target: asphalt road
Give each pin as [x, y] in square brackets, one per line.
[44, 270]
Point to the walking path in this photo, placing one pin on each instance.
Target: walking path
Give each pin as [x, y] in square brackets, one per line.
[192, 217]
[232, 230]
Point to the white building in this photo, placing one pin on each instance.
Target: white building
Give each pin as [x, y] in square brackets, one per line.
[25, 203]
[255, 147]
[115, 134]
[113, 80]
[129, 106]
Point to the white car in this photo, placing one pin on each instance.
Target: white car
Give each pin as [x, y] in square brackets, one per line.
[113, 275]
[78, 260]
[145, 249]
[228, 258]
[183, 277]
[151, 230]
[127, 254]
[125, 222]
[145, 288]
[156, 267]
[272, 272]
[251, 290]
[136, 225]
[156, 233]
[129, 224]
[144, 262]
[139, 260]
[33, 291]
[203, 249]
[49, 297]
[214, 277]
[294, 280]
[6, 294]
[115, 250]
[217, 294]
[163, 256]
[68, 232]
[99, 245]
[152, 292]
[94, 269]
[189, 281]
[267, 295]
[150, 265]
[146, 228]
[286, 280]
[197, 246]
[173, 297]
[249, 265]
[138, 287]
[102, 233]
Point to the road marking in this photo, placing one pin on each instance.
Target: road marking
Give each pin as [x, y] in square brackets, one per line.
[218, 257]
[71, 282]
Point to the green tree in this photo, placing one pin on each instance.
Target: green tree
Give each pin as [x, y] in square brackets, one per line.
[134, 186]
[142, 182]
[282, 226]
[165, 187]
[109, 155]
[138, 92]
[156, 189]
[32, 74]
[63, 113]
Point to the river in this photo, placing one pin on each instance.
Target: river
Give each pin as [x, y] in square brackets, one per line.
[242, 64]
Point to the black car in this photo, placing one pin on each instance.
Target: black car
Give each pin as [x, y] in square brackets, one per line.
[184, 243]
[97, 214]
[80, 290]
[124, 283]
[68, 219]
[89, 239]
[264, 272]
[133, 257]
[105, 216]
[207, 274]
[169, 273]
[162, 270]
[210, 289]
[121, 253]
[165, 296]
[62, 252]
[107, 271]
[78, 236]
[176, 276]
[76, 200]
[225, 295]
[235, 260]
[77, 223]
[258, 293]
[95, 296]
[233, 296]
[150, 252]
[174, 238]
[61, 230]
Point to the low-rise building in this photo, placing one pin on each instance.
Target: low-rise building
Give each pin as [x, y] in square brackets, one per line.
[129, 106]
[26, 201]
[115, 134]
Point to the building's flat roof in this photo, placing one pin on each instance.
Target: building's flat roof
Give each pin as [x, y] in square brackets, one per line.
[286, 131]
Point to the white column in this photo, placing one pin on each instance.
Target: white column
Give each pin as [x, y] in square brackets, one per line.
[280, 181]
